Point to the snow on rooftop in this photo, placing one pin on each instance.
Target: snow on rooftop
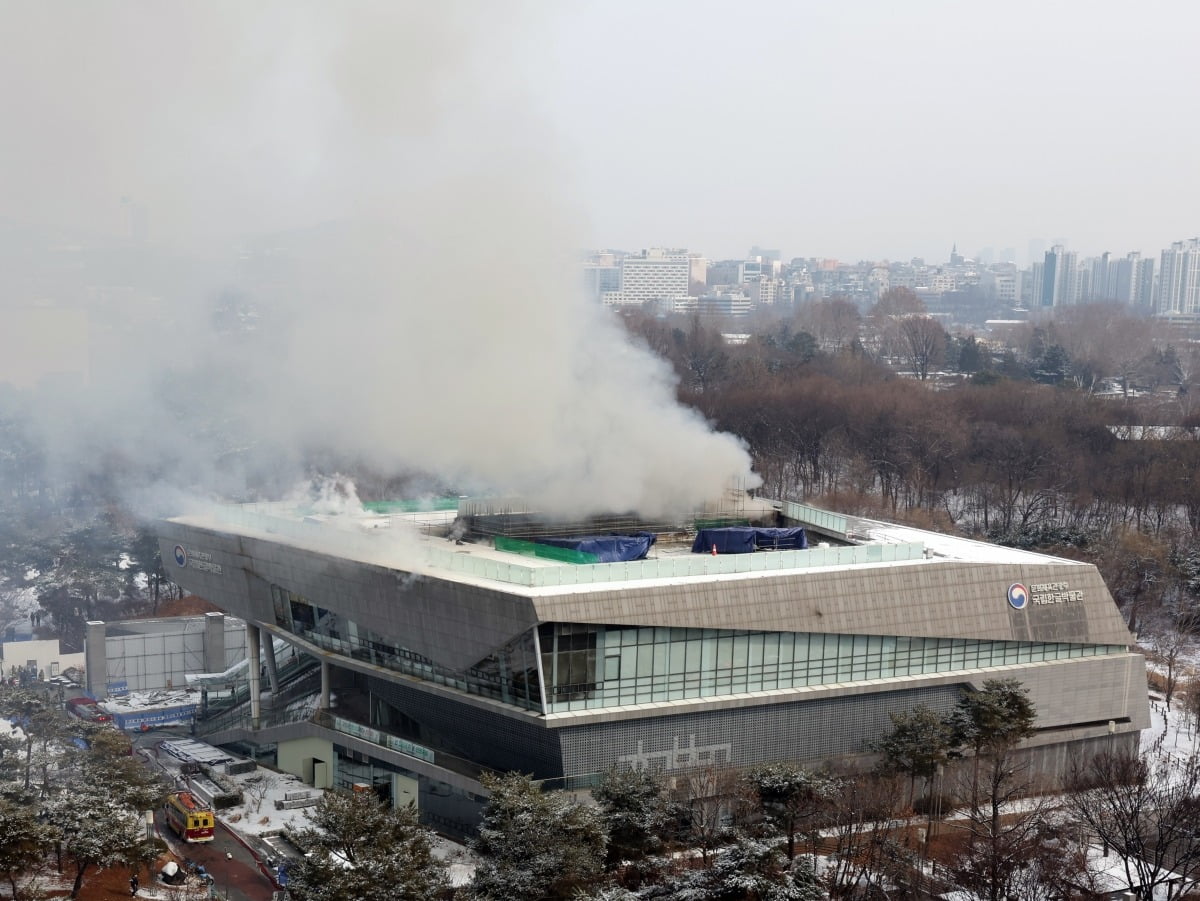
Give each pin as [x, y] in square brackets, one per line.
[149, 700]
[951, 547]
[1111, 873]
[418, 542]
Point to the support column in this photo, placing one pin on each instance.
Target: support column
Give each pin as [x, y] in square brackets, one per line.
[272, 666]
[214, 643]
[95, 659]
[253, 662]
[324, 703]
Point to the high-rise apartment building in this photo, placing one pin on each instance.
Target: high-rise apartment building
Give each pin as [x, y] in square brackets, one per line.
[1060, 283]
[1101, 285]
[1179, 279]
[1133, 280]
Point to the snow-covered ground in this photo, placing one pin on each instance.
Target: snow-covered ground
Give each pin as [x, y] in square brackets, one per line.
[257, 816]
[1173, 733]
[16, 604]
[8, 727]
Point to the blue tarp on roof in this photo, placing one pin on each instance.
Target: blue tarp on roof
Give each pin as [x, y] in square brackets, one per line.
[607, 548]
[747, 540]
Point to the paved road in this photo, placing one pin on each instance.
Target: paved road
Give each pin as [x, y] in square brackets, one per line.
[235, 870]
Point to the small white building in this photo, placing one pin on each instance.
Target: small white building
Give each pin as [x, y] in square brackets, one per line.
[43, 657]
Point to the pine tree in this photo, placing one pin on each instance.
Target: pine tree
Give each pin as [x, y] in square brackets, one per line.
[636, 811]
[536, 844]
[358, 847]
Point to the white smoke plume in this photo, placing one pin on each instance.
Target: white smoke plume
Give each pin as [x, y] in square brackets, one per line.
[335, 226]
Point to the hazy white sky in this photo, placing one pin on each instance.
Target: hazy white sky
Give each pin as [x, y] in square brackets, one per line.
[867, 129]
[874, 129]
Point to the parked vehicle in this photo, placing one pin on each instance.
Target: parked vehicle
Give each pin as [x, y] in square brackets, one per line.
[190, 818]
[87, 709]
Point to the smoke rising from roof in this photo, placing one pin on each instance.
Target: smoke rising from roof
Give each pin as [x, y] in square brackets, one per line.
[343, 227]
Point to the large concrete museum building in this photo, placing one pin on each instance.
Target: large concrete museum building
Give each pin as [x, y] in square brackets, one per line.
[453, 642]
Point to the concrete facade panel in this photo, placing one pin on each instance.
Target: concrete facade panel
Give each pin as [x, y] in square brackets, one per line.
[452, 623]
[869, 600]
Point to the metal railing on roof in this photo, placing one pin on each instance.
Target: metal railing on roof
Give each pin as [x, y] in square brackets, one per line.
[683, 566]
[820, 519]
[518, 571]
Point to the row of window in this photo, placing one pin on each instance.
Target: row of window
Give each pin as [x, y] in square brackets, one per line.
[587, 666]
[509, 674]
[619, 666]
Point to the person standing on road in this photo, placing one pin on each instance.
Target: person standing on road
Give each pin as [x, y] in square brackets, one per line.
[133, 885]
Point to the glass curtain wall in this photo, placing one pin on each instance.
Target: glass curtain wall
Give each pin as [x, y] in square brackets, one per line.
[508, 674]
[591, 666]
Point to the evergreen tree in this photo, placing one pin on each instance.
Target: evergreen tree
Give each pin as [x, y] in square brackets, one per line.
[995, 719]
[791, 798]
[918, 744]
[97, 808]
[357, 847]
[22, 837]
[636, 813]
[748, 870]
[535, 845]
[94, 831]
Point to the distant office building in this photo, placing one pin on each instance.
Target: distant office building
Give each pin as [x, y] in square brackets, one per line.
[741, 272]
[1146, 284]
[653, 275]
[879, 281]
[1179, 279]
[1031, 286]
[725, 303]
[724, 272]
[764, 291]
[1003, 284]
[698, 274]
[941, 282]
[599, 280]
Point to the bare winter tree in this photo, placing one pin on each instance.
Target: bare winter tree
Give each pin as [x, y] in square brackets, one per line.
[1145, 810]
[259, 787]
[922, 343]
[1002, 835]
[714, 798]
[989, 725]
[1171, 638]
[833, 322]
[863, 853]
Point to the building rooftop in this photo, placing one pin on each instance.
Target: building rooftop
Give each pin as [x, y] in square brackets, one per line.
[461, 544]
